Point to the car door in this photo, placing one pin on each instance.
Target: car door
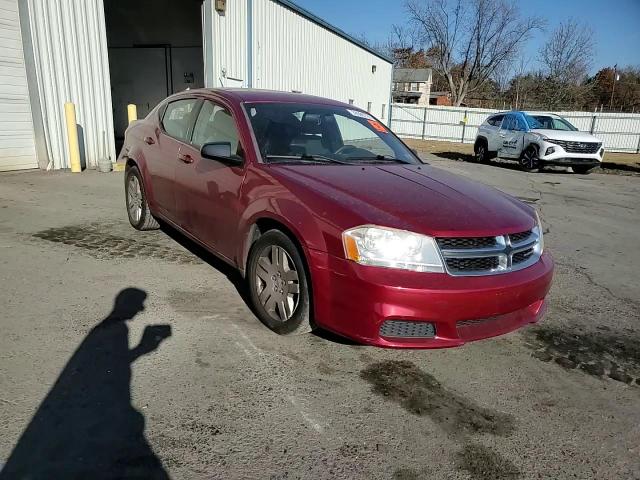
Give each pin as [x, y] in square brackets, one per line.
[174, 129]
[492, 131]
[209, 190]
[510, 138]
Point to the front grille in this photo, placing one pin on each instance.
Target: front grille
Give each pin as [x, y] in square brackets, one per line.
[522, 256]
[472, 264]
[519, 237]
[403, 328]
[473, 256]
[466, 242]
[578, 147]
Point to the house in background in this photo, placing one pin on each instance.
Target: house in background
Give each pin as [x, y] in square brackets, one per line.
[412, 85]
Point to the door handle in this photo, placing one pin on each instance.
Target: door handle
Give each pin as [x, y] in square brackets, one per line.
[186, 158]
[149, 140]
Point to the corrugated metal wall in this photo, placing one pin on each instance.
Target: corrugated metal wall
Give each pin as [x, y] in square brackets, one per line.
[70, 52]
[290, 53]
[17, 145]
[225, 45]
[620, 132]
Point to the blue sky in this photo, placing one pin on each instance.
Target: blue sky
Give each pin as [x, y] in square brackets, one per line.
[616, 23]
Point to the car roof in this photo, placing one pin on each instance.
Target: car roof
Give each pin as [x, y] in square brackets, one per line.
[254, 95]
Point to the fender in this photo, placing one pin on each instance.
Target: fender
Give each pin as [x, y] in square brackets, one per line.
[296, 217]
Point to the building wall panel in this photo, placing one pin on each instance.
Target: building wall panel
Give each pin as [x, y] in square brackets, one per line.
[17, 142]
[71, 63]
[293, 53]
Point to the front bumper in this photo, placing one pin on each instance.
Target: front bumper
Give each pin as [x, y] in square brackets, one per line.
[561, 157]
[354, 300]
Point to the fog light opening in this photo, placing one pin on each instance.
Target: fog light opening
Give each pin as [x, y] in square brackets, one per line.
[407, 329]
[550, 150]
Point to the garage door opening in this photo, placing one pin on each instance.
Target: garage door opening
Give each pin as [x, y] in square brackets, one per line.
[155, 49]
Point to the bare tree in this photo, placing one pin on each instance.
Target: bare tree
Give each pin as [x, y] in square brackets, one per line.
[568, 52]
[468, 40]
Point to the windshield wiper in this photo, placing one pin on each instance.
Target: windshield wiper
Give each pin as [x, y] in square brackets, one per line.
[306, 158]
[378, 158]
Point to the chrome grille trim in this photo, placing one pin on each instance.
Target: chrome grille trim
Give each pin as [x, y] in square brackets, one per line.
[524, 246]
[577, 147]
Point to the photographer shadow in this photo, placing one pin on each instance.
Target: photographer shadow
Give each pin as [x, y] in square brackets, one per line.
[86, 426]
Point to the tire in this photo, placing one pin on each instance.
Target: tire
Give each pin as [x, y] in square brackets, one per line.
[280, 299]
[582, 170]
[138, 211]
[529, 161]
[481, 152]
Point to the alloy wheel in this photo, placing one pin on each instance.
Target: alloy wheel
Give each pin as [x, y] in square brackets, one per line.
[134, 198]
[530, 159]
[277, 283]
[480, 154]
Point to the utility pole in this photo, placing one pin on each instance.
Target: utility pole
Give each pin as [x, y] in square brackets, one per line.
[613, 86]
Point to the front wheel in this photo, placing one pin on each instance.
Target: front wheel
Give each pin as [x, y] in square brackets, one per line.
[529, 161]
[278, 285]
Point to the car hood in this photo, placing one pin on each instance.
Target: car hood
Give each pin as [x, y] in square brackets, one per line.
[567, 135]
[418, 198]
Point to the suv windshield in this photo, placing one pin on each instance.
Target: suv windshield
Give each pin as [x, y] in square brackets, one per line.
[550, 123]
[295, 132]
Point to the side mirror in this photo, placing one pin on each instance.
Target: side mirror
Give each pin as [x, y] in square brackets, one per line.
[220, 151]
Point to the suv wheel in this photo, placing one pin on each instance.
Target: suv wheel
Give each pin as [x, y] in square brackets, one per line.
[278, 285]
[137, 207]
[529, 161]
[482, 156]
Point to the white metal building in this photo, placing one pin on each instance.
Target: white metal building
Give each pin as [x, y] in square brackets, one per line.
[103, 54]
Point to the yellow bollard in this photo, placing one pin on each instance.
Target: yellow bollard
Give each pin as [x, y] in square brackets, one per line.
[72, 137]
[132, 112]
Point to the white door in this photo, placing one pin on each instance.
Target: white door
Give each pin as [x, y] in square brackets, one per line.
[510, 138]
[17, 142]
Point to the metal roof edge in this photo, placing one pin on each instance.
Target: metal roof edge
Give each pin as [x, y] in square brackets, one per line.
[319, 21]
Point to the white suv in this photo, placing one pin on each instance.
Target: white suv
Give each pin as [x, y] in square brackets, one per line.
[536, 139]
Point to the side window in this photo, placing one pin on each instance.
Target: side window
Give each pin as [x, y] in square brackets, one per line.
[495, 121]
[177, 118]
[520, 125]
[215, 124]
[508, 123]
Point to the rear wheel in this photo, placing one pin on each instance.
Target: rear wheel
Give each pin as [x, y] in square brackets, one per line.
[529, 161]
[481, 152]
[581, 169]
[137, 207]
[278, 285]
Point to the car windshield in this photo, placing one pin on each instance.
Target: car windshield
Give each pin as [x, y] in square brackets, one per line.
[550, 123]
[304, 133]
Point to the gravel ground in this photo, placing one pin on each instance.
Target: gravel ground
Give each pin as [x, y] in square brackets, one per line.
[183, 382]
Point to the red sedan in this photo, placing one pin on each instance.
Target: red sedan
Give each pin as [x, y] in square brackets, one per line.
[334, 222]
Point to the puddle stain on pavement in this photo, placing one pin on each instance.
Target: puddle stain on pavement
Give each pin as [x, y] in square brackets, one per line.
[421, 394]
[600, 354]
[100, 241]
[485, 464]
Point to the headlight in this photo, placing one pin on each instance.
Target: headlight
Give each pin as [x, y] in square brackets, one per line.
[540, 235]
[388, 247]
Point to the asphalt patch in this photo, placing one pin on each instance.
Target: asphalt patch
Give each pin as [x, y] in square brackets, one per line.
[100, 241]
[483, 463]
[601, 354]
[421, 394]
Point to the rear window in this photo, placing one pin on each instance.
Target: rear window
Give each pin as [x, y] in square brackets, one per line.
[177, 118]
[495, 120]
